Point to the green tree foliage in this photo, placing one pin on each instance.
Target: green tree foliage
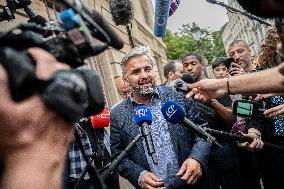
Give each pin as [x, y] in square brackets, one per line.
[178, 44]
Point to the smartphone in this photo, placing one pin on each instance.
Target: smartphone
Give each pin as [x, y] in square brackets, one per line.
[229, 62]
[243, 108]
[248, 108]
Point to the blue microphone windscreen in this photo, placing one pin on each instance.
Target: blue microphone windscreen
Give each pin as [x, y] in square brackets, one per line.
[68, 18]
[173, 112]
[162, 8]
[142, 114]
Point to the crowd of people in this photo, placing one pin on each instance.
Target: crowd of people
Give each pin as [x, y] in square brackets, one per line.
[41, 149]
[184, 159]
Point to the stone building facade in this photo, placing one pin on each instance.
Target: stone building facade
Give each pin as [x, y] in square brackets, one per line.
[241, 27]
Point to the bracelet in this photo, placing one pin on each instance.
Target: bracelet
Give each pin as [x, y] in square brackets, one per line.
[228, 87]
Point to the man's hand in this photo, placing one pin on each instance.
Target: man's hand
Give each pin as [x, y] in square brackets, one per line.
[190, 171]
[150, 181]
[236, 69]
[24, 122]
[46, 64]
[207, 89]
[257, 143]
[275, 111]
[33, 139]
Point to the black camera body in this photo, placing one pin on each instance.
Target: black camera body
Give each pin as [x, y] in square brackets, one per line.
[73, 93]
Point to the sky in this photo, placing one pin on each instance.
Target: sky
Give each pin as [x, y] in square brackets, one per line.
[203, 13]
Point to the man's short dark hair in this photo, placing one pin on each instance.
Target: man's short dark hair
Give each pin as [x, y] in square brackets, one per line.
[196, 55]
[170, 67]
[219, 61]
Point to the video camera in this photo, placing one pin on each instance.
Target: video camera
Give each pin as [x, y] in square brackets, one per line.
[82, 33]
[248, 108]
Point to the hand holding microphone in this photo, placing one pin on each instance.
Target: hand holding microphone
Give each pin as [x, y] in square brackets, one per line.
[174, 114]
[143, 118]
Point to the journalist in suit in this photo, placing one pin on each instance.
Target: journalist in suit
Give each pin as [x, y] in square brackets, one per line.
[182, 156]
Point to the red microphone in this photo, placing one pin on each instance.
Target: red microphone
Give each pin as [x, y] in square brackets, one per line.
[101, 120]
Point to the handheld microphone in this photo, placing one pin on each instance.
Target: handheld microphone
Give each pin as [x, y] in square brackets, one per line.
[96, 92]
[161, 17]
[264, 8]
[180, 84]
[242, 138]
[187, 78]
[174, 114]
[143, 117]
[101, 120]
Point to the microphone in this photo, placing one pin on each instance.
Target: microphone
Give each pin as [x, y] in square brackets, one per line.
[96, 92]
[122, 14]
[180, 84]
[143, 117]
[187, 78]
[174, 114]
[101, 120]
[242, 138]
[161, 17]
[264, 8]
[121, 11]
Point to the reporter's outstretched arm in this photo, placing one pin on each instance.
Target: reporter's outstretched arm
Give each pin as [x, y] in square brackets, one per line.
[33, 139]
[267, 81]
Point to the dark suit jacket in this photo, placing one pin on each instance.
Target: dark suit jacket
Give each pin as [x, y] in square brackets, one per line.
[186, 144]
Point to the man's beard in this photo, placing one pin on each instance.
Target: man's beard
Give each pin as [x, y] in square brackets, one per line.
[244, 64]
[144, 87]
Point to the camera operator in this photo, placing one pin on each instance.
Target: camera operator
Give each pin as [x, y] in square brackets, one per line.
[34, 139]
